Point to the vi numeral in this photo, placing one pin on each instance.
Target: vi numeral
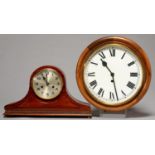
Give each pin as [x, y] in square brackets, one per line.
[111, 96]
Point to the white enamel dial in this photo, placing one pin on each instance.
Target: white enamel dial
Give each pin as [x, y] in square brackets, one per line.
[47, 84]
[113, 74]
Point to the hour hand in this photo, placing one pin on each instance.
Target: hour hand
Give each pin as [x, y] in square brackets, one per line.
[45, 79]
[104, 63]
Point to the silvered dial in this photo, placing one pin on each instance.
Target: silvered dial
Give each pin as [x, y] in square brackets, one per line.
[113, 74]
[47, 84]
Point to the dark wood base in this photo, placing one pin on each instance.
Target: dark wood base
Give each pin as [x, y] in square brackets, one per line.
[48, 112]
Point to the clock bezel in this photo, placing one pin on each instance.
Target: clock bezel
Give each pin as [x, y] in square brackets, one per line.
[42, 69]
[129, 51]
[125, 42]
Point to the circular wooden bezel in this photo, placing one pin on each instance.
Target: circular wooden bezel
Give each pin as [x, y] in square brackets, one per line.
[138, 51]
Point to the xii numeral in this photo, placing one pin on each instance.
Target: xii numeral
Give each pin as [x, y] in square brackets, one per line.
[112, 52]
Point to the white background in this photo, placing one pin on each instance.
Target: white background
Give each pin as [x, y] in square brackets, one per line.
[81, 136]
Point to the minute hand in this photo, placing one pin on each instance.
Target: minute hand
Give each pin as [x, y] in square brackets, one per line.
[115, 87]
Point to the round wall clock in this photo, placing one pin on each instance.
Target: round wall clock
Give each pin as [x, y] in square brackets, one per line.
[48, 96]
[113, 73]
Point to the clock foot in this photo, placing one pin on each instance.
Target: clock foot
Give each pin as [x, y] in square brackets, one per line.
[107, 114]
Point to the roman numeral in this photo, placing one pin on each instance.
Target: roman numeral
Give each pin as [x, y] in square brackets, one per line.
[91, 74]
[101, 92]
[131, 85]
[133, 74]
[112, 52]
[101, 54]
[123, 55]
[94, 63]
[112, 97]
[93, 84]
[123, 93]
[131, 63]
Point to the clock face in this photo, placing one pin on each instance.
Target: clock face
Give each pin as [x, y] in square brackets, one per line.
[47, 84]
[113, 74]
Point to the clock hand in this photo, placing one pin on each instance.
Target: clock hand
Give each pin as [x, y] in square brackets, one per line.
[113, 80]
[45, 79]
[104, 63]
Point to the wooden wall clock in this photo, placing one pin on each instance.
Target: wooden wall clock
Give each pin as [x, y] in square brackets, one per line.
[113, 73]
[47, 96]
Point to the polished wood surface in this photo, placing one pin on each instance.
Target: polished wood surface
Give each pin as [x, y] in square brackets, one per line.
[114, 40]
[62, 105]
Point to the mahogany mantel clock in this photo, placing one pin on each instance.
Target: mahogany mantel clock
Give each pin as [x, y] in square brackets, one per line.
[113, 73]
[47, 96]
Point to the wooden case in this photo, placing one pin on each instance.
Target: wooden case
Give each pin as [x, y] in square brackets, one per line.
[62, 105]
[113, 40]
